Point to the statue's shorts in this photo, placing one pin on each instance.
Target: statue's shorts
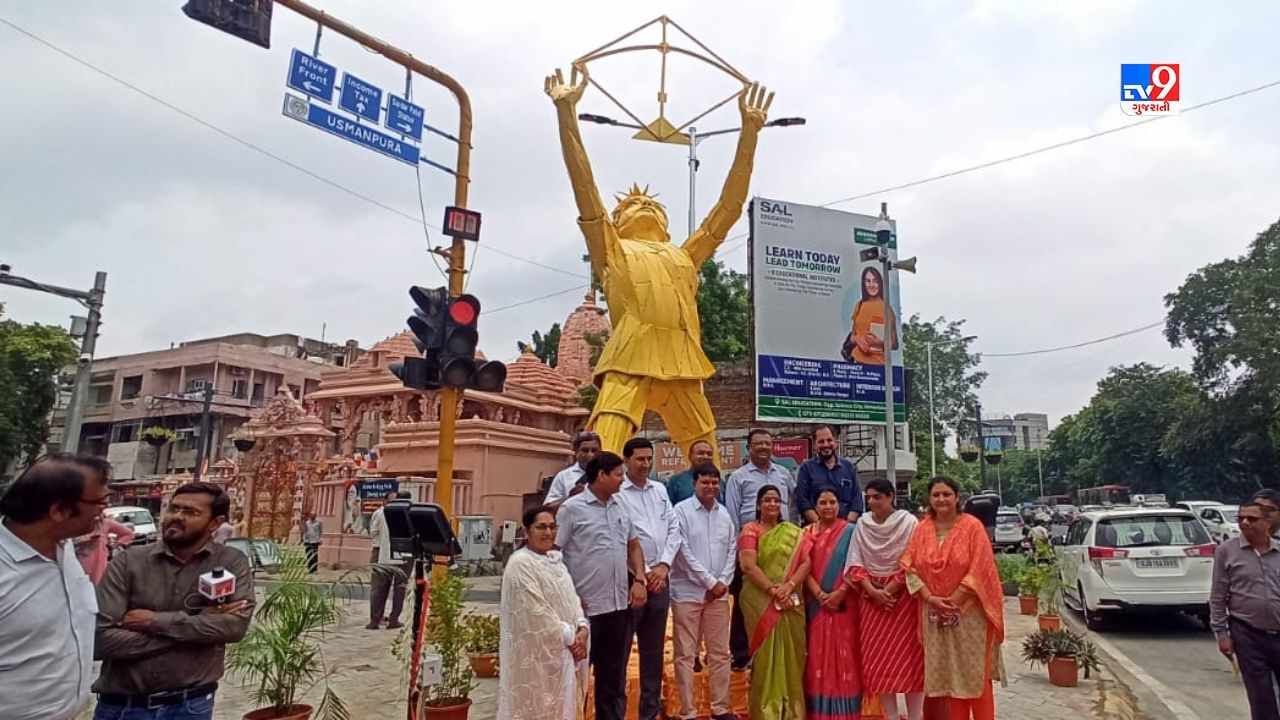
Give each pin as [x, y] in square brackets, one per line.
[624, 398]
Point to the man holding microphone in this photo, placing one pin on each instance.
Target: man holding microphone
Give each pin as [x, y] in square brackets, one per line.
[166, 612]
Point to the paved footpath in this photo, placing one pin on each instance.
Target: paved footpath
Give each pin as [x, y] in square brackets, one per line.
[373, 683]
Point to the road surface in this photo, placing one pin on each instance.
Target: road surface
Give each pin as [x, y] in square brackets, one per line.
[1177, 659]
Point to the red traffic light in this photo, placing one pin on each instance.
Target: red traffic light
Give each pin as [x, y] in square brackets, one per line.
[464, 309]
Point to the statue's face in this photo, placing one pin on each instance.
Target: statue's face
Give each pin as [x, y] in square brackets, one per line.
[640, 216]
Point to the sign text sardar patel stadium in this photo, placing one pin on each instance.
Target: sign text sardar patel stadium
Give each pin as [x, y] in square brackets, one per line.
[822, 324]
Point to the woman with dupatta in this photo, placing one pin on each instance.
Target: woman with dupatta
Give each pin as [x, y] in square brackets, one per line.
[952, 571]
[832, 683]
[888, 617]
[543, 648]
[773, 567]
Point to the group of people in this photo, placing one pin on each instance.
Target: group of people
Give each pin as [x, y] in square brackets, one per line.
[63, 605]
[828, 595]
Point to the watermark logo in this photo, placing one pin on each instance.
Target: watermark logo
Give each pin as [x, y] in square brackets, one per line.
[1152, 89]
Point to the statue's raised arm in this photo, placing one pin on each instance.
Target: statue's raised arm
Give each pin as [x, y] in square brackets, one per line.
[753, 105]
[591, 208]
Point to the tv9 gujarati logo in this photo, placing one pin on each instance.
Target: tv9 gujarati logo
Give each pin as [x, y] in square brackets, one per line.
[1151, 89]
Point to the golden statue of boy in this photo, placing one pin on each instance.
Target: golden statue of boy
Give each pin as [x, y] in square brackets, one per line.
[653, 359]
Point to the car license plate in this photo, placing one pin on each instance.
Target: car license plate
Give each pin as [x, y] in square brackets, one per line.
[1157, 562]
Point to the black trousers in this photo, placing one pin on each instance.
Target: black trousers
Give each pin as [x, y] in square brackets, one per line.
[739, 643]
[313, 556]
[1258, 654]
[386, 584]
[610, 650]
[651, 635]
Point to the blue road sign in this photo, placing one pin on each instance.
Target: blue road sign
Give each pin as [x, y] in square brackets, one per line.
[311, 76]
[360, 98]
[348, 129]
[404, 117]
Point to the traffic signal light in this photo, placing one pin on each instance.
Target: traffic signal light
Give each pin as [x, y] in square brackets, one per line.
[427, 324]
[444, 331]
[458, 366]
[246, 19]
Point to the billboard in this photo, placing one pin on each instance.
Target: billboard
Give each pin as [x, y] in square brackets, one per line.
[668, 459]
[821, 326]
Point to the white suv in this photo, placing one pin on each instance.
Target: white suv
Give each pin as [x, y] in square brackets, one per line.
[1130, 558]
[1221, 522]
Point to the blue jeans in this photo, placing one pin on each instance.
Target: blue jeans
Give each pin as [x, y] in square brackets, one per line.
[197, 708]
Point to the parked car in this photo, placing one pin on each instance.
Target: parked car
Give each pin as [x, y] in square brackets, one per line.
[1221, 522]
[140, 518]
[1195, 506]
[1008, 531]
[1136, 558]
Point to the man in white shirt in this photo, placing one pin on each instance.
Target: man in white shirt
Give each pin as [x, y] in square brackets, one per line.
[602, 552]
[47, 603]
[740, 499]
[571, 480]
[655, 522]
[700, 581]
[386, 581]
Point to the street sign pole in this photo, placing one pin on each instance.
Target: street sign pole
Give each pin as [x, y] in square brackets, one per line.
[449, 397]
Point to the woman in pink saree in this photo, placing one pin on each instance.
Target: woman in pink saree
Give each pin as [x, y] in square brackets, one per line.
[832, 682]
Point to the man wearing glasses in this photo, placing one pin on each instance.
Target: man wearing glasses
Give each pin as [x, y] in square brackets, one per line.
[46, 599]
[160, 640]
[1244, 607]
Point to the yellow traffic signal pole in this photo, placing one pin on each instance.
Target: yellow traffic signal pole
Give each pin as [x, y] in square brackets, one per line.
[449, 397]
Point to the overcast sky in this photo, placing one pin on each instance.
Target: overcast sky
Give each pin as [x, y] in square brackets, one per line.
[202, 235]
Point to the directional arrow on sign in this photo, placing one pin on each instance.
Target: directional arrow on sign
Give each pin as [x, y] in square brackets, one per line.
[311, 86]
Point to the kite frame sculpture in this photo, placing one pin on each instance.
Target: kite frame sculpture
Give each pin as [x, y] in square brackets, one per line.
[653, 359]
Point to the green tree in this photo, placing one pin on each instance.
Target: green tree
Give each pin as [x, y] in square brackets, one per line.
[1229, 313]
[31, 357]
[724, 308]
[955, 375]
[546, 347]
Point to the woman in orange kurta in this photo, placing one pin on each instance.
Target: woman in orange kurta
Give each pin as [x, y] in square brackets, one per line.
[873, 321]
[951, 569]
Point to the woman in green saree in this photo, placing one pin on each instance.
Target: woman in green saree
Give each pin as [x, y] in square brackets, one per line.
[773, 572]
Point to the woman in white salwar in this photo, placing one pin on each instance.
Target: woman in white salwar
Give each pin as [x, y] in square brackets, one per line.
[543, 654]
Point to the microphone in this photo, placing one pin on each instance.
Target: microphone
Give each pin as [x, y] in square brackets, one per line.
[217, 585]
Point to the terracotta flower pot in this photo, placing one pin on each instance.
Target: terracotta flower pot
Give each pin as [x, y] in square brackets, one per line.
[293, 712]
[1028, 605]
[456, 711]
[485, 665]
[1049, 622]
[1063, 671]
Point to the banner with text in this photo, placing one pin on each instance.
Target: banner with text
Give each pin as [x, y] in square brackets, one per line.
[822, 325]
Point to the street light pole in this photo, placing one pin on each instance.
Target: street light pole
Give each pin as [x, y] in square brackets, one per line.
[202, 449]
[91, 299]
[884, 237]
[693, 176]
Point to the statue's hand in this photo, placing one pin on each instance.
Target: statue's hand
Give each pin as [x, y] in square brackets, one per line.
[753, 103]
[562, 93]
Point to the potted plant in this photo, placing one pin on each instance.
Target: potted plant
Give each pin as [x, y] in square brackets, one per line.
[449, 699]
[1008, 566]
[155, 436]
[243, 442]
[1051, 585]
[1063, 652]
[483, 635]
[281, 652]
[1030, 580]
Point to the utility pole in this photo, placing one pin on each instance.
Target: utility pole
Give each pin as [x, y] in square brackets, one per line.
[455, 255]
[91, 299]
[884, 238]
[202, 449]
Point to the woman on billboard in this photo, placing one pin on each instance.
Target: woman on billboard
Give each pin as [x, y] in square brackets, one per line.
[872, 318]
